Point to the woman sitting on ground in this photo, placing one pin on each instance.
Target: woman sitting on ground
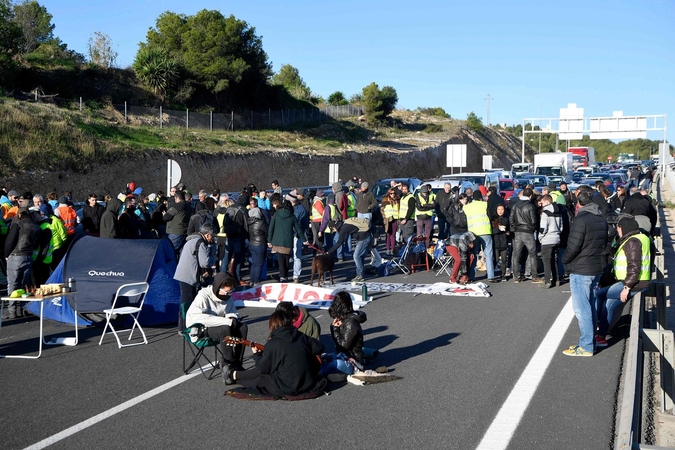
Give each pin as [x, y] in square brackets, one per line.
[287, 366]
[302, 320]
[347, 335]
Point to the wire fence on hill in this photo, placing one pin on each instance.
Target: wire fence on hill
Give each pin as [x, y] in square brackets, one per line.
[235, 120]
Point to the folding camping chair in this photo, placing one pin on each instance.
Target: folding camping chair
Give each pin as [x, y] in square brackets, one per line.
[419, 246]
[198, 346]
[134, 294]
[399, 260]
[442, 259]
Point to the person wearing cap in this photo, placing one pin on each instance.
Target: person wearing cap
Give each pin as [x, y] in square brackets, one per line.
[10, 209]
[406, 213]
[632, 273]
[91, 215]
[583, 257]
[365, 202]
[21, 240]
[425, 204]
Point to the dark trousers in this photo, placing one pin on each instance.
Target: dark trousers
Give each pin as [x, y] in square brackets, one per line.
[549, 255]
[235, 250]
[501, 257]
[188, 293]
[232, 354]
[283, 265]
[443, 227]
[520, 240]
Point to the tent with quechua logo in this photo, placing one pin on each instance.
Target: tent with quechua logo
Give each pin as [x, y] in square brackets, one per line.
[100, 266]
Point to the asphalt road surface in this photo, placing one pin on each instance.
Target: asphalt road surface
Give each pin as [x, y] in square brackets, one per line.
[459, 357]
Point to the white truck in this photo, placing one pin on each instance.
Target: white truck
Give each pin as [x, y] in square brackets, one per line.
[520, 169]
[554, 164]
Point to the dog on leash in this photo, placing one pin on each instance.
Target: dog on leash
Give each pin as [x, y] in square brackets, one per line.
[320, 265]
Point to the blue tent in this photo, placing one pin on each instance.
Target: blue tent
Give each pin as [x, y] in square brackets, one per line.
[100, 266]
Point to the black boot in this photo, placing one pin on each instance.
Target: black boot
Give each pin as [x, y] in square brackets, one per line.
[228, 368]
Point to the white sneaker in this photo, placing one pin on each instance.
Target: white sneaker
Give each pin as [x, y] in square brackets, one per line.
[508, 272]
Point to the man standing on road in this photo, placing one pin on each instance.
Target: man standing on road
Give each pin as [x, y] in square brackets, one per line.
[406, 213]
[583, 257]
[365, 202]
[524, 222]
[443, 200]
[478, 223]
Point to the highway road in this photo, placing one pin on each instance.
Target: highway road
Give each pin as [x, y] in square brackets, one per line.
[460, 359]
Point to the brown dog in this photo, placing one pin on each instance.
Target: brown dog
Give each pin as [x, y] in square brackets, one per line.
[322, 264]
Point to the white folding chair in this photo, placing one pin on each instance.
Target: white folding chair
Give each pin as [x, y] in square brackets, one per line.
[135, 293]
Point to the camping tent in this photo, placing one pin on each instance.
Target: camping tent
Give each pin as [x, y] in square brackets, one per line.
[100, 266]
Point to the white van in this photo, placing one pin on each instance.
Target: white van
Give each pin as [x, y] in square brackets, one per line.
[477, 179]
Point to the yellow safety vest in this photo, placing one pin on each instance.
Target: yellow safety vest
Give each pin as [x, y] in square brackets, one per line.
[351, 209]
[391, 211]
[621, 262]
[317, 211]
[477, 219]
[421, 199]
[403, 206]
[332, 215]
[221, 223]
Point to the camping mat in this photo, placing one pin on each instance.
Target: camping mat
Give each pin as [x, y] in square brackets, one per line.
[465, 290]
[242, 393]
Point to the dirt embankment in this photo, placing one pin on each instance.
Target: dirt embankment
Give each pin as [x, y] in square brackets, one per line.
[230, 172]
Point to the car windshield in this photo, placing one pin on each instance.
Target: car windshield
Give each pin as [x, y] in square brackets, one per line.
[380, 189]
[505, 185]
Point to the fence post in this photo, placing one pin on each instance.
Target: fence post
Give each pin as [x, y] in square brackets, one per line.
[269, 118]
[187, 118]
[232, 119]
[125, 112]
[80, 104]
[251, 119]
[211, 121]
[160, 117]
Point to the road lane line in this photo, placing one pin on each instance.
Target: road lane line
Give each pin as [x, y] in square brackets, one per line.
[498, 436]
[112, 411]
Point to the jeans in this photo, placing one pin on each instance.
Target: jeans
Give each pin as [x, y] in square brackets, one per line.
[18, 275]
[609, 306]
[561, 266]
[178, 240]
[339, 363]
[258, 257]
[443, 227]
[328, 239]
[583, 304]
[297, 257]
[483, 242]
[424, 228]
[360, 252]
[548, 257]
[520, 240]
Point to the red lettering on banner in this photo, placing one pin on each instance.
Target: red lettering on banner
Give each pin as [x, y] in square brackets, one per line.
[311, 295]
[282, 292]
[330, 297]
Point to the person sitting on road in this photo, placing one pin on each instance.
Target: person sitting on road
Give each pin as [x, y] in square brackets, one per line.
[302, 320]
[461, 249]
[347, 336]
[287, 366]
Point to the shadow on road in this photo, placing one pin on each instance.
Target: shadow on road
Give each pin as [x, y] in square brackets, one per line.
[397, 355]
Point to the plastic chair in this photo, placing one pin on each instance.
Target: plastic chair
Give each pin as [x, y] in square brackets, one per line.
[197, 348]
[135, 295]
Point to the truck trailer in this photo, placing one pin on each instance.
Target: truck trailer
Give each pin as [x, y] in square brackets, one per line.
[554, 164]
[583, 156]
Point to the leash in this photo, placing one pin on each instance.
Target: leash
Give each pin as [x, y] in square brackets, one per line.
[317, 249]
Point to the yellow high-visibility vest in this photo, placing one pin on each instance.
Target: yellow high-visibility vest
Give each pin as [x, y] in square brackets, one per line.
[621, 262]
[477, 218]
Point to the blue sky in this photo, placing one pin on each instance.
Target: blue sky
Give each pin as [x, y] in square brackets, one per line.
[529, 55]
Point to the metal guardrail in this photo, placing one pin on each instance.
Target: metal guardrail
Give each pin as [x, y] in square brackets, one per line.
[643, 340]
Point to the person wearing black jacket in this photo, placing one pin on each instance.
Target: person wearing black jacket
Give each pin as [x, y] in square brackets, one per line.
[493, 201]
[443, 201]
[406, 215]
[347, 336]
[524, 221]
[584, 261]
[640, 205]
[177, 218]
[109, 220]
[235, 225]
[21, 240]
[257, 243]
[288, 365]
[91, 215]
[458, 222]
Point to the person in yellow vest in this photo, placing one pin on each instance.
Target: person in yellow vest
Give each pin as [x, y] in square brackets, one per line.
[406, 213]
[316, 217]
[632, 271]
[390, 208]
[425, 204]
[478, 223]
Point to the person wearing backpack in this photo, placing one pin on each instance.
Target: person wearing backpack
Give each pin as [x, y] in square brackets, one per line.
[236, 229]
[195, 260]
[360, 229]
[330, 213]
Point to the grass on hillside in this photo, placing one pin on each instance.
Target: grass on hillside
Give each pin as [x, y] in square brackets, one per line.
[45, 137]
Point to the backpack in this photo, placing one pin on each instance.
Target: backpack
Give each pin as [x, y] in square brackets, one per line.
[362, 223]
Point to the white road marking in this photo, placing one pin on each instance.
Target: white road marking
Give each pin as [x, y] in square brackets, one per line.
[509, 416]
[112, 411]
